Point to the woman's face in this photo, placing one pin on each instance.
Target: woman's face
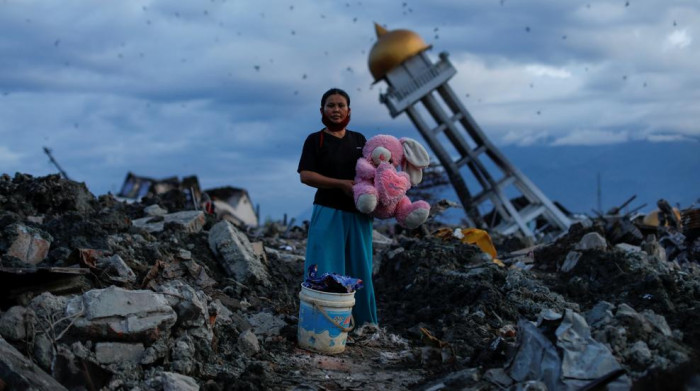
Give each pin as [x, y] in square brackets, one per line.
[336, 108]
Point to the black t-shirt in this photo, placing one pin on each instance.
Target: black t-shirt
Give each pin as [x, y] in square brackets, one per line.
[335, 158]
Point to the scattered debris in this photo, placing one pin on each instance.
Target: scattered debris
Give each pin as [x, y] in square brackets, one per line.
[99, 293]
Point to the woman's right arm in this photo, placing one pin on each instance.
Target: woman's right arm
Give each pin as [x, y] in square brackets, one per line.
[319, 181]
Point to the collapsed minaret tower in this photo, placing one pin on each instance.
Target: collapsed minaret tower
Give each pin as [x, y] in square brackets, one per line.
[420, 88]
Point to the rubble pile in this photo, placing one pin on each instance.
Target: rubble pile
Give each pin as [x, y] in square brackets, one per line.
[99, 294]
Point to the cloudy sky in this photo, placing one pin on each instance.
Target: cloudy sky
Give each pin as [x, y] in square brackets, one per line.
[228, 89]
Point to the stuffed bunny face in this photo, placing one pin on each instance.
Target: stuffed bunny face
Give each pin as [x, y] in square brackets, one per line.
[406, 153]
[383, 148]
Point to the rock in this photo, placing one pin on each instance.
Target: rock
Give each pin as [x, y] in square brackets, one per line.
[154, 210]
[155, 352]
[121, 314]
[190, 305]
[628, 248]
[80, 349]
[658, 321]
[266, 324]
[176, 382]
[15, 322]
[223, 314]
[632, 319]
[115, 270]
[600, 314]
[117, 352]
[592, 241]
[190, 221]
[248, 343]
[19, 373]
[236, 254]
[652, 247]
[571, 261]
[639, 353]
[29, 245]
[182, 354]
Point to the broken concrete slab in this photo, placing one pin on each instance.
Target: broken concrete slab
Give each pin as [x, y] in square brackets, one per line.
[119, 314]
[115, 270]
[236, 254]
[190, 221]
[19, 373]
[118, 352]
[284, 256]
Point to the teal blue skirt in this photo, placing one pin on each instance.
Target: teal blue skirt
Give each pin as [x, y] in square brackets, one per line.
[341, 242]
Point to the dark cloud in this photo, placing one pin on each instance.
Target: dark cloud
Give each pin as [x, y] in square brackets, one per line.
[176, 86]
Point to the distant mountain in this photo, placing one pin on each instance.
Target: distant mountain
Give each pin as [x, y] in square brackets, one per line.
[568, 174]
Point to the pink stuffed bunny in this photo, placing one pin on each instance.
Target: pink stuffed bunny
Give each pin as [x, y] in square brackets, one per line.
[380, 190]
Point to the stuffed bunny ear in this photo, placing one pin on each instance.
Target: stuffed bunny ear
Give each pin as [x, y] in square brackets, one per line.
[415, 159]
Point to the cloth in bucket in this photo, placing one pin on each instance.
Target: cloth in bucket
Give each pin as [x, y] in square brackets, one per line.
[331, 282]
[325, 311]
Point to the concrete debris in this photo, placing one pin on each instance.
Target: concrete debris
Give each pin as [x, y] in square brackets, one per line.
[121, 314]
[172, 381]
[14, 323]
[188, 221]
[581, 361]
[591, 241]
[17, 372]
[248, 343]
[29, 245]
[157, 294]
[154, 210]
[237, 254]
[115, 270]
[117, 352]
[570, 262]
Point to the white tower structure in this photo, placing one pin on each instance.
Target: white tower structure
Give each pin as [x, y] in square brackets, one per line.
[420, 88]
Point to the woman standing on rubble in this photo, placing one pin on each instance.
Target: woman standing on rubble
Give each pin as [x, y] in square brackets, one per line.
[340, 237]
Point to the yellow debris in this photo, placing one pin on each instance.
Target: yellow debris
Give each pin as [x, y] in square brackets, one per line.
[481, 238]
[475, 236]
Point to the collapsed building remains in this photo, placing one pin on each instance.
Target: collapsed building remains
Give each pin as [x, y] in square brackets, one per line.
[229, 203]
[96, 298]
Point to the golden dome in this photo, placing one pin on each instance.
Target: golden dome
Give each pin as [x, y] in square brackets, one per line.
[392, 48]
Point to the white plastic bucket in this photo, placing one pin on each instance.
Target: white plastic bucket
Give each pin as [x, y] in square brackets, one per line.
[325, 318]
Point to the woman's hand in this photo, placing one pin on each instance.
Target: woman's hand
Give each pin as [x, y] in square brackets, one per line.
[346, 186]
[319, 181]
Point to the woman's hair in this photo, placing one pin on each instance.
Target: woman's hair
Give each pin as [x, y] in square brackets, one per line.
[334, 91]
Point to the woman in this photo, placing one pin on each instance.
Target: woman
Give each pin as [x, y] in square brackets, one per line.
[340, 237]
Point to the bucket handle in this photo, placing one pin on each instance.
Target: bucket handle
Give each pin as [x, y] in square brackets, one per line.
[344, 329]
